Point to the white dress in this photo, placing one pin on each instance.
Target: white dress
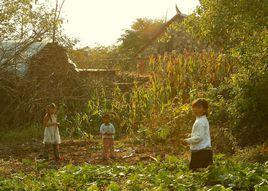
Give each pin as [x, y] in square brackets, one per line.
[51, 134]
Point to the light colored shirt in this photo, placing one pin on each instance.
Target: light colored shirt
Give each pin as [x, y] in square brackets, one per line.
[200, 136]
[107, 129]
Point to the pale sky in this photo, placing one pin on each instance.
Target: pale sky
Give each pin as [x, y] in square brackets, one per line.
[103, 21]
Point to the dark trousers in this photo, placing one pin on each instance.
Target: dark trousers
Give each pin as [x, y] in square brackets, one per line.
[55, 151]
[201, 159]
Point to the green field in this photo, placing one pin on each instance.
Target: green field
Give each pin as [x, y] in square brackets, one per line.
[168, 174]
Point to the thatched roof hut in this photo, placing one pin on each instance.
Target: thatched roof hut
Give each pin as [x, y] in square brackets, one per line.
[35, 76]
[41, 59]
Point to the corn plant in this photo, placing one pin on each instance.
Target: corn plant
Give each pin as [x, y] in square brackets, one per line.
[159, 108]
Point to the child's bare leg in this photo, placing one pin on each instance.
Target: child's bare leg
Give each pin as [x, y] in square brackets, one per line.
[112, 148]
[105, 148]
[46, 151]
[56, 152]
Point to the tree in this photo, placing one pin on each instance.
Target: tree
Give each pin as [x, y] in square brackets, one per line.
[22, 22]
[141, 31]
[228, 23]
[23, 19]
[239, 30]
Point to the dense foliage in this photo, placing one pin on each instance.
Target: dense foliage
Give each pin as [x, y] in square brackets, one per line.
[233, 77]
[229, 70]
[141, 31]
[170, 174]
[239, 30]
[227, 24]
[158, 110]
[236, 32]
[23, 25]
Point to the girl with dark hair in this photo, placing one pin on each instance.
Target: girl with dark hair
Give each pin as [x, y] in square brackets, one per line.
[51, 134]
[200, 140]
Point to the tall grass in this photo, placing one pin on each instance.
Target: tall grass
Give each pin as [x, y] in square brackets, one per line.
[160, 108]
[26, 133]
[156, 111]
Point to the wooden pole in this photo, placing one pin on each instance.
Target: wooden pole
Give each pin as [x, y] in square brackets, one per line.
[158, 33]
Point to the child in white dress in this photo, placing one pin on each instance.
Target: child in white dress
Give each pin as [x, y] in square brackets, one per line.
[51, 134]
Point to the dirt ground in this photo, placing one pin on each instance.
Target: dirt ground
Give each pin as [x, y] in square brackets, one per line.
[21, 157]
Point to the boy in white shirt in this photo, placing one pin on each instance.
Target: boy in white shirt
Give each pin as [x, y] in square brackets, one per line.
[107, 132]
[200, 141]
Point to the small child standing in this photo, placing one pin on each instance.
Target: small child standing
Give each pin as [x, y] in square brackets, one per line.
[51, 134]
[200, 141]
[107, 132]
